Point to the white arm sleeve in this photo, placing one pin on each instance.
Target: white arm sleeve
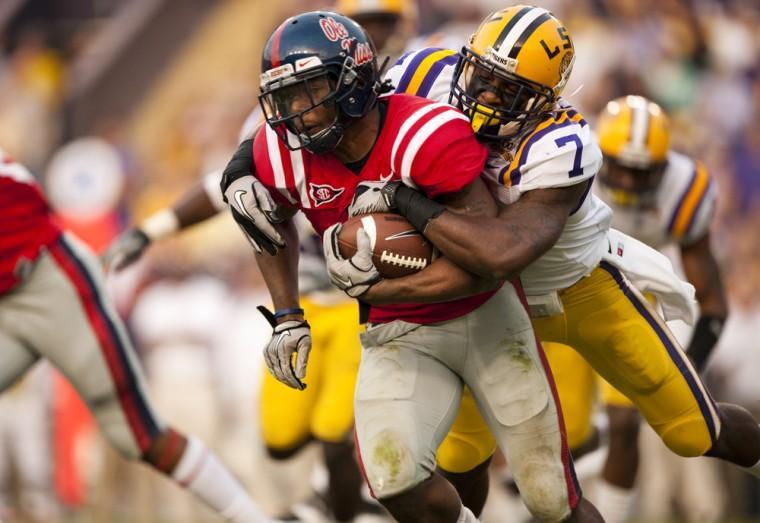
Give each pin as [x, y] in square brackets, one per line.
[214, 193]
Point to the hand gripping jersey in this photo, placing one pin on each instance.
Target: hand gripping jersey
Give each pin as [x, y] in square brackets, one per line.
[25, 222]
[559, 152]
[419, 142]
[683, 208]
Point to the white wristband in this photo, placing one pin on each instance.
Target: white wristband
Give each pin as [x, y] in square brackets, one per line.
[160, 225]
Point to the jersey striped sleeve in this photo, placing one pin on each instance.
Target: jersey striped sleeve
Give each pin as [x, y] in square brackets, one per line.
[436, 151]
[559, 152]
[690, 218]
[426, 73]
[279, 169]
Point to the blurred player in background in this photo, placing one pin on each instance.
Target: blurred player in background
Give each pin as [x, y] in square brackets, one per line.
[25, 450]
[326, 407]
[53, 305]
[390, 23]
[324, 410]
[664, 199]
[553, 232]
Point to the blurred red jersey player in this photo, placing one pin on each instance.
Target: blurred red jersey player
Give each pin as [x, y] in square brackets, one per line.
[53, 305]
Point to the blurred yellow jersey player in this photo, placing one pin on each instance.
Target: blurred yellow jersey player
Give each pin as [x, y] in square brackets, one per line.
[585, 283]
[324, 411]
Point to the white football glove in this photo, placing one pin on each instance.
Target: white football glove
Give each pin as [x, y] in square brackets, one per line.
[125, 250]
[370, 197]
[256, 213]
[288, 337]
[355, 275]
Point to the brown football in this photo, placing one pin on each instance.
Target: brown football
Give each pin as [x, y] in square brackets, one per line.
[398, 249]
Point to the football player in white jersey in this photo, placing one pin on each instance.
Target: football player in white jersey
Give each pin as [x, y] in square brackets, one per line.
[662, 197]
[665, 199]
[584, 282]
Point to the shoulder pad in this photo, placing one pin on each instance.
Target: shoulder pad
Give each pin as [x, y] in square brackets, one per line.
[689, 198]
[426, 73]
[559, 152]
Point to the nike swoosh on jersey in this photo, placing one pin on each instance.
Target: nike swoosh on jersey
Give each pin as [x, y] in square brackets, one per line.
[385, 179]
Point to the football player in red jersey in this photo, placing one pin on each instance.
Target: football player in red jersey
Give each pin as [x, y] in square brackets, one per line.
[329, 128]
[326, 408]
[53, 305]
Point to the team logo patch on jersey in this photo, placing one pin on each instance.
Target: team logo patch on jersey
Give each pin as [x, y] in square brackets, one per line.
[323, 193]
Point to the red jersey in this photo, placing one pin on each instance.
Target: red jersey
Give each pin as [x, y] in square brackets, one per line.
[427, 145]
[25, 222]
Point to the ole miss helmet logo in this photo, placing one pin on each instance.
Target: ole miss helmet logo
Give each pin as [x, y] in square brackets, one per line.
[323, 193]
[333, 29]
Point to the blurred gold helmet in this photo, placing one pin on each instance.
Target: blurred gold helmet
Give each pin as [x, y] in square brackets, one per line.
[389, 22]
[634, 131]
[353, 8]
[634, 135]
[523, 55]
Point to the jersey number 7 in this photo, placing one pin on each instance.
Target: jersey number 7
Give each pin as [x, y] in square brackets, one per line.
[577, 170]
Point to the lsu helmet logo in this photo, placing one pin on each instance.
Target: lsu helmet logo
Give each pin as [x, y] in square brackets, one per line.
[321, 194]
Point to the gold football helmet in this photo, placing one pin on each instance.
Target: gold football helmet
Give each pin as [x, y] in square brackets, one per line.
[634, 135]
[512, 71]
[389, 22]
[353, 8]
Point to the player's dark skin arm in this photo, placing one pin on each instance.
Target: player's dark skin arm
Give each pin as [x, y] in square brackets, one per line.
[502, 246]
[442, 280]
[702, 271]
[194, 206]
[280, 271]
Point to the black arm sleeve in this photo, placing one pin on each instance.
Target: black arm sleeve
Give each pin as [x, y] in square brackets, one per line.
[240, 165]
[706, 334]
[416, 207]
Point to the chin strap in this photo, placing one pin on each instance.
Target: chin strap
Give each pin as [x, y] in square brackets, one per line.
[328, 141]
